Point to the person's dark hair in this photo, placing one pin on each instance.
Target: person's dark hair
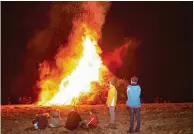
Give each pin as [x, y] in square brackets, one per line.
[134, 79]
[92, 110]
[113, 81]
[74, 108]
[41, 111]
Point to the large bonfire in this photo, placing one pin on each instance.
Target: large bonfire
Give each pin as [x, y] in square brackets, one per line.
[78, 64]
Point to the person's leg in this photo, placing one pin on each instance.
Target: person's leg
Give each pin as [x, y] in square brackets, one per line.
[51, 125]
[131, 112]
[137, 112]
[112, 114]
[81, 124]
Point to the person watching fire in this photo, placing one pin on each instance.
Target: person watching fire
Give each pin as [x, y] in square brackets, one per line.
[92, 121]
[111, 103]
[134, 103]
[40, 121]
[55, 118]
[73, 120]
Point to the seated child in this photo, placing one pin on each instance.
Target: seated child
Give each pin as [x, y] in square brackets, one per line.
[55, 119]
[41, 120]
[92, 121]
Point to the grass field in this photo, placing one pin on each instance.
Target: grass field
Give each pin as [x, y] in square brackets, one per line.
[166, 118]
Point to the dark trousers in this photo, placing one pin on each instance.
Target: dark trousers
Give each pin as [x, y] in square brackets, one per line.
[135, 111]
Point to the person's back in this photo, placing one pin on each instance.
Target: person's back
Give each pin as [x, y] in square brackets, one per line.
[40, 121]
[133, 93]
[92, 120]
[55, 118]
[73, 120]
[134, 103]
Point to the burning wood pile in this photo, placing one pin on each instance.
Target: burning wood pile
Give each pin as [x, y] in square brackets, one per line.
[79, 74]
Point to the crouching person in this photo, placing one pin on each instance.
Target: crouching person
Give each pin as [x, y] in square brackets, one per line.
[73, 120]
[41, 120]
[92, 121]
[55, 118]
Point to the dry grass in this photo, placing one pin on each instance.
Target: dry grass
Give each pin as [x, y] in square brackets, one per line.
[155, 119]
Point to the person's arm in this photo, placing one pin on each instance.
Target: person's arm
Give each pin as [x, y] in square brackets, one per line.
[79, 117]
[60, 117]
[108, 96]
[112, 93]
[34, 120]
[91, 118]
[64, 119]
[128, 88]
[90, 121]
[139, 91]
[67, 117]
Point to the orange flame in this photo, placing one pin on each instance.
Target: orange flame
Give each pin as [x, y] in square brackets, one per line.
[79, 81]
[78, 66]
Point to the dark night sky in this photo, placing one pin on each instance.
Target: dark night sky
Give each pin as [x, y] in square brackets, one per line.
[163, 60]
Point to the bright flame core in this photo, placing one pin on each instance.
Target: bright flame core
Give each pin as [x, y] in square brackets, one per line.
[79, 81]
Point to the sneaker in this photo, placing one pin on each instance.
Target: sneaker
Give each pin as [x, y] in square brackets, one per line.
[113, 126]
[130, 131]
[137, 130]
[110, 125]
[107, 125]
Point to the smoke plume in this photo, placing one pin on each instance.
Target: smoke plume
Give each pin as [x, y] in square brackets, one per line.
[115, 59]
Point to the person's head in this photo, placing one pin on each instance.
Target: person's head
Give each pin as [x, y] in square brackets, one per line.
[92, 111]
[55, 112]
[46, 114]
[134, 80]
[74, 108]
[112, 82]
[41, 111]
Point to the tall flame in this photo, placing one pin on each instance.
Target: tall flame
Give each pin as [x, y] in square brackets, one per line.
[87, 71]
[80, 79]
[78, 65]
